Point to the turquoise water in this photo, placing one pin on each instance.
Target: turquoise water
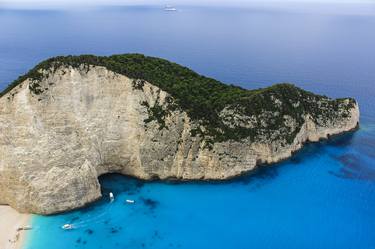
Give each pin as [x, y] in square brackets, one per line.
[323, 197]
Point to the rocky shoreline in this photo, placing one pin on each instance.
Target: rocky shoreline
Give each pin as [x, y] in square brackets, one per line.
[60, 133]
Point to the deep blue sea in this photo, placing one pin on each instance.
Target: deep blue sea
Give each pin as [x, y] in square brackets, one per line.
[323, 197]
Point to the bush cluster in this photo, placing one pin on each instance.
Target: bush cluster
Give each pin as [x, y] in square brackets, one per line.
[201, 97]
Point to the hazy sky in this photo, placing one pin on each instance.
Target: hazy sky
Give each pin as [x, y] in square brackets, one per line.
[51, 3]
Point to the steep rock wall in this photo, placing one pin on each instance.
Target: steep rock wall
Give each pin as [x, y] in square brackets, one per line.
[86, 122]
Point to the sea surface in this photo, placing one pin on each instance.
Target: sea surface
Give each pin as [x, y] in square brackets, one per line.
[323, 197]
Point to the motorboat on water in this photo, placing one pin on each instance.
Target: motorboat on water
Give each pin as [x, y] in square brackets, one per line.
[111, 197]
[130, 201]
[68, 227]
[169, 8]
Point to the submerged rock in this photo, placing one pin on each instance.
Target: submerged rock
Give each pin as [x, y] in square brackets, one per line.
[72, 119]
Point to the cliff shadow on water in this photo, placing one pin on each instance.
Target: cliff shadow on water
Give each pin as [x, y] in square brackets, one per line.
[263, 174]
[161, 202]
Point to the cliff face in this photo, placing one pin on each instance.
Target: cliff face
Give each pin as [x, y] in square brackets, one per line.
[78, 123]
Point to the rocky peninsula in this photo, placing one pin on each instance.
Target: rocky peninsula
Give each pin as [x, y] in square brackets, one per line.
[74, 118]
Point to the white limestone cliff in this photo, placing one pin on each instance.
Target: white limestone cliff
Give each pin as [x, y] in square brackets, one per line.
[53, 146]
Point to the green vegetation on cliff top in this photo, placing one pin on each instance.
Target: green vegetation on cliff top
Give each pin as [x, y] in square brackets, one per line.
[204, 98]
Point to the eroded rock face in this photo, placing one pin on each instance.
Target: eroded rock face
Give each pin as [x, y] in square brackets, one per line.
[87, 122]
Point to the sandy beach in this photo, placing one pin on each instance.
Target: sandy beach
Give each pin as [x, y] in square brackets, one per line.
[11, 220]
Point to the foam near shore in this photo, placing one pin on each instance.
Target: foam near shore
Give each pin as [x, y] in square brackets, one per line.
[11, 220]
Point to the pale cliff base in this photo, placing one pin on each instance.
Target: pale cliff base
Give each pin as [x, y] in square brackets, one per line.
[55, 144]
[10, 220]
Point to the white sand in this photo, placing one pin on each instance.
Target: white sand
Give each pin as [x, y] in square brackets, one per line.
[10, 220]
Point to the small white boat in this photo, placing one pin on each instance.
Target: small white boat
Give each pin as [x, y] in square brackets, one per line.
[170, 8]
[130, 201]
[111, 197]
[68, 227]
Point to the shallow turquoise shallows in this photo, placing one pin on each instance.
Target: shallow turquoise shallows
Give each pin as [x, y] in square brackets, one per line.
[322, 198]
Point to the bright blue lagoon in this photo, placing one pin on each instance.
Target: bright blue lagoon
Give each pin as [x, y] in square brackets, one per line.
[324, 197]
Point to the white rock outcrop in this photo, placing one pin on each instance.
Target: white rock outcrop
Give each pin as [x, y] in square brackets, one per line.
[53, 146]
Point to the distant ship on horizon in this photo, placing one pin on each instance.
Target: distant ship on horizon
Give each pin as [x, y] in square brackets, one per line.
[169, 8]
